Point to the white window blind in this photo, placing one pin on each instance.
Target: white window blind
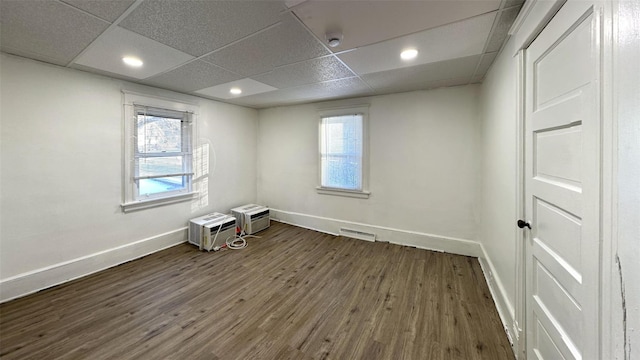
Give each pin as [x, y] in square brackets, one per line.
[341, 152]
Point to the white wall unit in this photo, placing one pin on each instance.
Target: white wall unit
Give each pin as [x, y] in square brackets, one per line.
[423, 163]
[61, 179]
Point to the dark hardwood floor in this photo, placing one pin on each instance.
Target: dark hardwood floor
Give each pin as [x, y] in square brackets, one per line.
[293, 294]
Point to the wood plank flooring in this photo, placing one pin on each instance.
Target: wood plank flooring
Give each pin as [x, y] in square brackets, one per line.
[293, 294]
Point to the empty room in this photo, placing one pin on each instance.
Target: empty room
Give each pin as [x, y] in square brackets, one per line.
[312, 179]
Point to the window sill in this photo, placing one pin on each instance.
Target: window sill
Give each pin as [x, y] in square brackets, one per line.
[151, 203]
[346, 193]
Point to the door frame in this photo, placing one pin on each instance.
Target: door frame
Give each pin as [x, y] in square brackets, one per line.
[533, 18]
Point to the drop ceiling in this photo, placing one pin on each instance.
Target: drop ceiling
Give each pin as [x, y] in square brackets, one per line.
[276, 52]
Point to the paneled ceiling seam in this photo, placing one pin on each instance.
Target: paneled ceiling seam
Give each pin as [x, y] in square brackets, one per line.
[201, 57]
[295, 16]
[423, 30]
[494, 26]
[303, 61]
[83, 11]
[496, 21]
[112, 26]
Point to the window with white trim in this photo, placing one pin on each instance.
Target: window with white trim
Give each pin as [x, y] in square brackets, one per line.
[162, 152]
[343, 152]
[158, 151]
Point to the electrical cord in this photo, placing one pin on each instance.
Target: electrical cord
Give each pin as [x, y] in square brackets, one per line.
[238, 241]
[215, 248]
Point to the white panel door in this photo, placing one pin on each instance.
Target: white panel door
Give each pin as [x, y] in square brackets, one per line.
[562, 186]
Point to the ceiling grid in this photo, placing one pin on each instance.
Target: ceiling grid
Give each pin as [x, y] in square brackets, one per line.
[276, 52]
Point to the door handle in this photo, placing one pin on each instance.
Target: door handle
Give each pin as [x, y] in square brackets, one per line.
[522, 224]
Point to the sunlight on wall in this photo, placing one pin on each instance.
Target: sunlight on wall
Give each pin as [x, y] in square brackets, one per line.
[201, 168]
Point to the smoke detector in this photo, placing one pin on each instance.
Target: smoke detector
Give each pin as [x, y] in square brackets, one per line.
[334, 39]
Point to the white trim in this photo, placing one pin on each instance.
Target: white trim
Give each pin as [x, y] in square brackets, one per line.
[385, 234]
[155, 202]
[520, 276]
[343, 192]
[533, 17]
[346, 110]
[43, 278]
[160, 101]
[500, 298]
[132, 100]
[609, 320]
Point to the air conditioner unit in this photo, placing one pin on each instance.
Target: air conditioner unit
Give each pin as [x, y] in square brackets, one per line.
[252, 218]
[211, 230]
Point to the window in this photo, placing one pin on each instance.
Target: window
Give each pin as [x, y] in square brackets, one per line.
[343, 161]
[162, 152]
[158, 152]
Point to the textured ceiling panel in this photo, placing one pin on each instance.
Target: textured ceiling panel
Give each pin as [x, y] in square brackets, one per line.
[287, 43]
[322, 91]
[422, 86]
[199, 27]
[109, 10]
[451, 41]
[248, 87]
[368, 22]
[501, 29]
[46, 30]
[485, 63]
[107, 52]
[193, 76]
[307, 72]
[410, 77]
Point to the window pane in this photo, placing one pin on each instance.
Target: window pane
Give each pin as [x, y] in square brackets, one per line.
[159, 165]
[159, 185]
[158, 134]
[341, 172]
[341, 150]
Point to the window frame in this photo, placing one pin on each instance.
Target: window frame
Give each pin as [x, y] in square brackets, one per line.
[344, 111]
[132, 102]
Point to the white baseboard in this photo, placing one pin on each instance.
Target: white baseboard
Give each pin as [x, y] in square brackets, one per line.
[395, 236]
[499, 295]
[33, 281]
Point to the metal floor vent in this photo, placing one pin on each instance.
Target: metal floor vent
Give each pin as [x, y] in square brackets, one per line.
[356, 234]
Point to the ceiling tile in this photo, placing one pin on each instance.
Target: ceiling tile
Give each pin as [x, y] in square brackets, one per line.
[199, 27]
[287, 43]
[485, 63]
[422, 86]
[307, 72]
[248, 87]
[107, 52]
[455, 40]
[109, 10]
[46, 30]
[322, 91]
[414, 76]
[501, 29]
[194, 76]
[510, 3]
[368, 22]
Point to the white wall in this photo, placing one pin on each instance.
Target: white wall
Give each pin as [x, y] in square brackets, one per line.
[626, 314]
[423, 165]
[61, 159]
[499, 173]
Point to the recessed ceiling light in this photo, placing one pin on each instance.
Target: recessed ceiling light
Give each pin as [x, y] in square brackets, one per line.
[132, 61]
[235, 91]
[409, 54]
